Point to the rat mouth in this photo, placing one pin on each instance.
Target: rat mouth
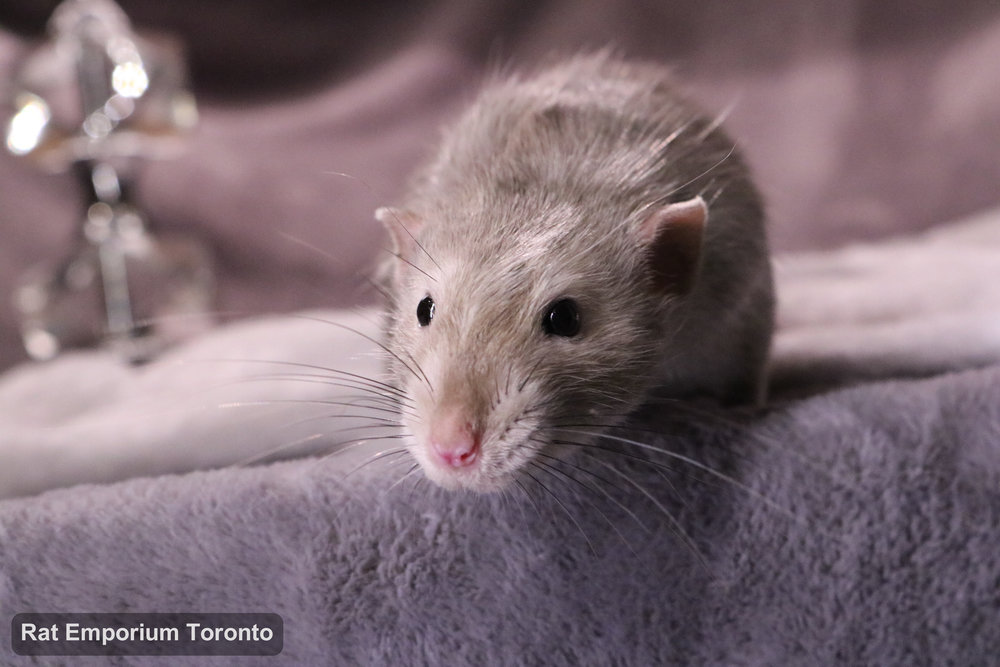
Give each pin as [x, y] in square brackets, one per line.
[480, 475]
[492, 469]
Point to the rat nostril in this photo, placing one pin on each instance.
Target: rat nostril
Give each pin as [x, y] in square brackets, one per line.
[458, 459]
[457, 453]
[456, 447]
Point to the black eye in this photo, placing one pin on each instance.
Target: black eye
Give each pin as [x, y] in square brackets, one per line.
[562, 319]
[425, 311]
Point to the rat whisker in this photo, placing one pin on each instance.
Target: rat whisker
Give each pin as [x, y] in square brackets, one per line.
[660, 468]
[344, 445]
[527, 495]
[413, 238]
[735, 429]
[411, 264]
[718, 120]
[307, 401]
[556, 472]
[378, 456]
[563, 506]
[391, 460]
[295, 364]
[618, 452]
[678, 528]
[419, 482]
[426, 380]
[369, 393]
[376, 422]
[729, 479]
[373, 387]
[371, 340]
[337, 260]
[621, 505]
[670, 485]
[265, 455]
[390, 211]
[511, 500]
[375, 403]
[527, 377]
[336, 446]
[413, 468]
[369, 400]
[708, 171]
[369, 410]
[654, 465]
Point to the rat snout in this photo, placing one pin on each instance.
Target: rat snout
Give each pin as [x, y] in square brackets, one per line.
[454, 440]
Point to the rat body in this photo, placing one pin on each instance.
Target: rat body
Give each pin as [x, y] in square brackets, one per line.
[581, 237]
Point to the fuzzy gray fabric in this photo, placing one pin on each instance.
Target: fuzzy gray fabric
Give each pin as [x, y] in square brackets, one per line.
[858, 527]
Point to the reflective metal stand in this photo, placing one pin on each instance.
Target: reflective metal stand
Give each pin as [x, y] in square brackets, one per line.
[96, 98]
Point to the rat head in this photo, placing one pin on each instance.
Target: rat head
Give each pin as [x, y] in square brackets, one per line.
[501, 331]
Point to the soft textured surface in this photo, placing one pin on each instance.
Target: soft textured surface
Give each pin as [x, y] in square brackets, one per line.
[909, 306]
[861, 528]
[230, 397]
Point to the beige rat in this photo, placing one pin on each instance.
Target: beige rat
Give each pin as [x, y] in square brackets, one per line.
[581, 237]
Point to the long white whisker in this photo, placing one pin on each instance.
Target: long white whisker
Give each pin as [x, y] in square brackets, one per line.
[338, 260]
[413, 238]
[371, 386]
[413, 469]
[678, 528]
[381, 345]
[564, 508]
[378, 456]
[307, 401]
[621, 505]
[703, 467]
[335, 447]
[553, 470]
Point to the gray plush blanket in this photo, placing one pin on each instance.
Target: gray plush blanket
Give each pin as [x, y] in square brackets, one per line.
[856, 527]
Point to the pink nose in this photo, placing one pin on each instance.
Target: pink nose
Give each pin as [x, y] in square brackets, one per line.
[454, 441]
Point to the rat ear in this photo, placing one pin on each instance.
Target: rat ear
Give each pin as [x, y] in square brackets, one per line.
[403, 226]
[673, 234]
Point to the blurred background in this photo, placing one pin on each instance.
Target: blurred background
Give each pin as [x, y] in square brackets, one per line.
[861, 119]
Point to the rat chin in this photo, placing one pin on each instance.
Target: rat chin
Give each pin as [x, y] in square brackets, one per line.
[470, 478]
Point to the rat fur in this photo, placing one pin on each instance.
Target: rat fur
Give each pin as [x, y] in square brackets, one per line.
[592, 180]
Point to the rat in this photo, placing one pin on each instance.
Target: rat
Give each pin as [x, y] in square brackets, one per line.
[582, 237]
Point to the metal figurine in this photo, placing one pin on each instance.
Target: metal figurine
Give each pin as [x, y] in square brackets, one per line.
[95, 98]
